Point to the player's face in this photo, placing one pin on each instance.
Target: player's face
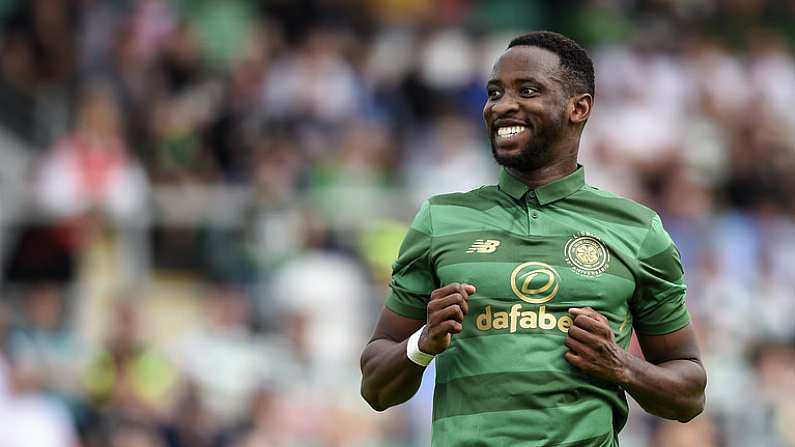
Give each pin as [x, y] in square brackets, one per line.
[525, 113]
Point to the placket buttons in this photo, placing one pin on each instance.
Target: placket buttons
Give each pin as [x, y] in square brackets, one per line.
[531, 201]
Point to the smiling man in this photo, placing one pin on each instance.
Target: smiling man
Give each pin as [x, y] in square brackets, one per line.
[527, 292]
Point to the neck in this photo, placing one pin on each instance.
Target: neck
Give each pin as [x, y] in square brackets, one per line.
[545, 175]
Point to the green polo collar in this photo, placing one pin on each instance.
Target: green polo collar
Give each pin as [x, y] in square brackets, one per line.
[549, 193]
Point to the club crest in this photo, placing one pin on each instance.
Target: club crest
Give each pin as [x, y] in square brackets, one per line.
[587, 255]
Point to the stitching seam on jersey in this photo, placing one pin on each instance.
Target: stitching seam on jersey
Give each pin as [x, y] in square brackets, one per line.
[636, 258]
[430, 245]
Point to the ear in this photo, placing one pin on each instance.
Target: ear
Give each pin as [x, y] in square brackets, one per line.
[580, 108]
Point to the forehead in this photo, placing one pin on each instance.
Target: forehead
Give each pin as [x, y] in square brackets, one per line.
[525, 61]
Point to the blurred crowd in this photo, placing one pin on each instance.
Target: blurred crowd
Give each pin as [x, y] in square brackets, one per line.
[200, 202]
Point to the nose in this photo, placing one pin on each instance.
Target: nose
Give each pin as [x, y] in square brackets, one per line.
[505, 104]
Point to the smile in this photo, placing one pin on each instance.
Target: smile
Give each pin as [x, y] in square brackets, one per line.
[506, 133]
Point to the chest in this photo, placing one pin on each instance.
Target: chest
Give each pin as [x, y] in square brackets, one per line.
[564, 268]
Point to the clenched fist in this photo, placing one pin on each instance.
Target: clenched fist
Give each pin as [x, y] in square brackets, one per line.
[592, 346]
[446, 311]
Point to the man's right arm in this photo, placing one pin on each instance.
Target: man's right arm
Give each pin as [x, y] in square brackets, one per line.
[388, 376]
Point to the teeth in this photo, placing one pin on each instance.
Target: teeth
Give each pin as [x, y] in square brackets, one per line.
[509, 131]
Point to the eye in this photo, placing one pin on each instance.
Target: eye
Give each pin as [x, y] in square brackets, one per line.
[527, 91]
[494, 93]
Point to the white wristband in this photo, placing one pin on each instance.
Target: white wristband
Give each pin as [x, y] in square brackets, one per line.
[413, 350]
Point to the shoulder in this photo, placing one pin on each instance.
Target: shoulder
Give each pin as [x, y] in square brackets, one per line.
[639, 227]
[612, 207]
[446, 213]
[483, 195]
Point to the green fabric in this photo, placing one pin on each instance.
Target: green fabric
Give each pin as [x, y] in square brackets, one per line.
[150, 375]
[222, 28]
[532, 255]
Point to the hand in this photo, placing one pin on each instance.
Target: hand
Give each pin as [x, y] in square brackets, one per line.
[446, 311]
[592, 347]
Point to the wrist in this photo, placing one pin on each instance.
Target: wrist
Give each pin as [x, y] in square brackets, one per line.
[626, 373]
[422, 341]
[413, 351]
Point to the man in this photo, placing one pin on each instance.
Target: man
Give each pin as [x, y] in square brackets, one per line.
[527, 292]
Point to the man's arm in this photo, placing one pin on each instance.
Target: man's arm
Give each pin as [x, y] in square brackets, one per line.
[388, 377]
[669, 384]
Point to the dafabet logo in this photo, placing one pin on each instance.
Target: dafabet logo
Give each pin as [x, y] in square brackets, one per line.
[534, 283]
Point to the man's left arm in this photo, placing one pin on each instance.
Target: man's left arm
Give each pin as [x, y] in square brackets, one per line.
[670, 383]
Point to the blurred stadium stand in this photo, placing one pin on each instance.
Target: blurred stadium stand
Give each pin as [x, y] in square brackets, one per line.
[200, 202]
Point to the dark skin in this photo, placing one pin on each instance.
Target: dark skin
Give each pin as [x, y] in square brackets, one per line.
[526, 89]
[388, 376]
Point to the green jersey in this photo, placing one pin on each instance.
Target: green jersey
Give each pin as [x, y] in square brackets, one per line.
[532, 255]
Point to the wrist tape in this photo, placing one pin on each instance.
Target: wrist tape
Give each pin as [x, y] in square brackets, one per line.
[413, 350]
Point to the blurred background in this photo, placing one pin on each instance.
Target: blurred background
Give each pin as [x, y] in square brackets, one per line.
[200, 202]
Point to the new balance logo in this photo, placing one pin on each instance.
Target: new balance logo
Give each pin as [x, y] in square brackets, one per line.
[484, 246]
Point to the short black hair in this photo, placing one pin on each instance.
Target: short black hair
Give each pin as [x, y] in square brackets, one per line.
[576, 65]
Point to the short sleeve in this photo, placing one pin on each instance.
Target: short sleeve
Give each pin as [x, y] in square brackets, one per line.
[413, 278]
[658, 306]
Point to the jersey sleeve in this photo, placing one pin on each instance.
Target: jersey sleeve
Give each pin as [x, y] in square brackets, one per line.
[658, 306]
[413, 278]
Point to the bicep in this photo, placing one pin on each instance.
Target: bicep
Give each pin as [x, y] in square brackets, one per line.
[394, 327]
[678, 345]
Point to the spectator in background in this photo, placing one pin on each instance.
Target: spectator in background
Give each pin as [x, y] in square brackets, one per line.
[17, 84]
[45, 346]
[91, 168]
[322, 290]
[89, 173]
[222, 356]
[135, 435]
[264, 428]
[314, 82]
[277, 222]
[276, 420]
[358, 172]
[457, 149]
[128, 378]
[32, 416]
[190, 423]
[701, 432]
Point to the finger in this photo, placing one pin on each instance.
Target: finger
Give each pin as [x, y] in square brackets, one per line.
[583, 311]
[451, 327]
[462, 290]
[592, 325]
[445, 301]
[581, 349]
[444, 291]
[589, 311]
[578, 348]
[446, 327]
[586, 322]
[575, 360]
[583, 336]
[464, 302]
[466, 289]
[448, 313]
[449, 300]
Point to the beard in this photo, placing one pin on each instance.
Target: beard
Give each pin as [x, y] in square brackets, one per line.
[536, 153]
